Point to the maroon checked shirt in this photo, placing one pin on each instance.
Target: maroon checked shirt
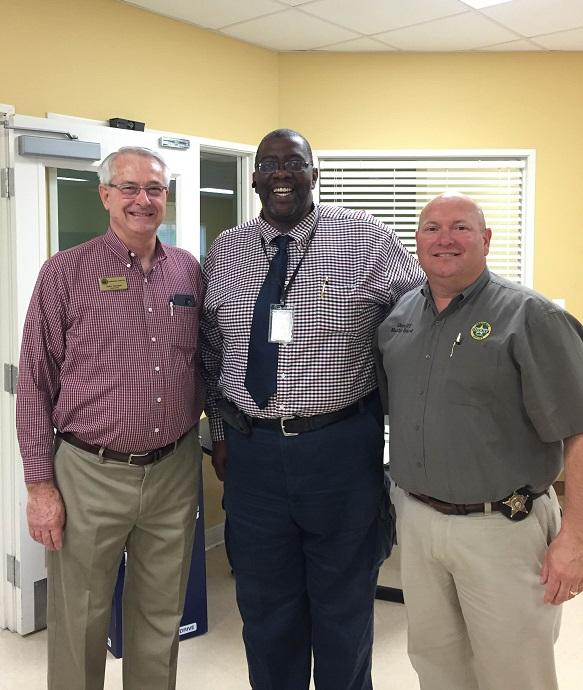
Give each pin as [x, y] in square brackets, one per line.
[108, 353]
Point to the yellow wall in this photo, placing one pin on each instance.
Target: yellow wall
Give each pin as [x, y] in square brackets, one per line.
[512, 100]
[103, 59]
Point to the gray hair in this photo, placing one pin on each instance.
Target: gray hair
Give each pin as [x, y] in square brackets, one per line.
[105, 170]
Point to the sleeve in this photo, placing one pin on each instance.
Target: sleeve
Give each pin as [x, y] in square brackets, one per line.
[550, 358]
[41, 356]
[393, 271]
[211, 351]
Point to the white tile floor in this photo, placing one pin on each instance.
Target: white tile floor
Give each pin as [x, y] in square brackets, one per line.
[216, 661]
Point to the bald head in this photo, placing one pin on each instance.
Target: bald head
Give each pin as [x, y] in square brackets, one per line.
[452, 244]
[448, 199]
[289, 134]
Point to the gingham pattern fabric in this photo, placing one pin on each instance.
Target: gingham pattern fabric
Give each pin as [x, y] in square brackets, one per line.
[115, 368]
[354, 271]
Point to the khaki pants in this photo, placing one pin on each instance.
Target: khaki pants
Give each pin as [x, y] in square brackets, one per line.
[474, 602]
[151, 511]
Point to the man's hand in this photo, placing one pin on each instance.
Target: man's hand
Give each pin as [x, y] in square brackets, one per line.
[562, 571]
[45, 512]
[219, 459]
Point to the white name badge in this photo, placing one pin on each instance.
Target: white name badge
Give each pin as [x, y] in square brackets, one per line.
[281, 324]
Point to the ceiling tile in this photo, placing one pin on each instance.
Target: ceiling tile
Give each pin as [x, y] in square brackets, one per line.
[535, 17]
[294, 3]
[462, 32]
[563, 40]
[212, 14]
[374, 16]
[359, 45]
[289, 30]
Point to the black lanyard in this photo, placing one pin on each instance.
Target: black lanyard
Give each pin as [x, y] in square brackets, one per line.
[287, 287]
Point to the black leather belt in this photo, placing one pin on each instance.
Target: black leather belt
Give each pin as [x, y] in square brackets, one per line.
[292, 426]
[515, 507]
[129, 458]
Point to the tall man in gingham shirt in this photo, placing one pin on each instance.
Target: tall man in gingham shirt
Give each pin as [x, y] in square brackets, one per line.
[109, 360]
[306, 521]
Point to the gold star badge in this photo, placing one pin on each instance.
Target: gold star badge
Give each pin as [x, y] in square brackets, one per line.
[517, 504]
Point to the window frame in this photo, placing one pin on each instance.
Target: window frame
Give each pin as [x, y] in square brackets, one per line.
[528, 156]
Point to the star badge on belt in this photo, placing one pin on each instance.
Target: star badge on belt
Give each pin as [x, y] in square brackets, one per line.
[517, 504]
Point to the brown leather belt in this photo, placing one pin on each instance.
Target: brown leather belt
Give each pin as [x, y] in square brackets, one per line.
[140, 459]
[466, 508]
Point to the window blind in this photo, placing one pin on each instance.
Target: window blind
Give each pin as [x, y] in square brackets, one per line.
[395, 191]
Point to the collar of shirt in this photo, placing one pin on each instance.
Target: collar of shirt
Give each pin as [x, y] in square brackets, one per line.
[473, 289]
[112, 241]
[300, 233]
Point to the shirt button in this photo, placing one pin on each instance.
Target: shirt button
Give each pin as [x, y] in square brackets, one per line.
[150, 310]
[419, 464]
[156, 368]
[132, 254]
[281, 407]
[158, 399]
[427, 356]
[283, 376]
[128, 265]
[154, 339]
[145, 280]
[156, 430]
[421, 393]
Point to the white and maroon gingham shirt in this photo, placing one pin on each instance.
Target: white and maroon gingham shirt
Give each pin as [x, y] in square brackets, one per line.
[115, 368]
[353, 273]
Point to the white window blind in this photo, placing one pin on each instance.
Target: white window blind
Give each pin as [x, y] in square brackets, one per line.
[395, 191]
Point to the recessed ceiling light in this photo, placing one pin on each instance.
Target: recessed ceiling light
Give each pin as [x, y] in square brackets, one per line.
[479, 4]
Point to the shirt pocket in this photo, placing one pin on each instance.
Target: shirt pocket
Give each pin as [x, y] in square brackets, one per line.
[180, 326]
[337, 308]
[473, 374]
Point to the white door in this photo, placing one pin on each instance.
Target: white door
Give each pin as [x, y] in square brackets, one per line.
[8, 348]
[49, 192]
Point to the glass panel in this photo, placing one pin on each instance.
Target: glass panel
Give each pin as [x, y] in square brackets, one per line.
[219, 197]
[80, 216]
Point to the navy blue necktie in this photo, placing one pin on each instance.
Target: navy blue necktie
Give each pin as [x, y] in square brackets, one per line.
[261, 374]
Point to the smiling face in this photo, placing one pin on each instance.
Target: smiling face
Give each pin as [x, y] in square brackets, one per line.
[452, 242]
[135, 221]
[286, 197]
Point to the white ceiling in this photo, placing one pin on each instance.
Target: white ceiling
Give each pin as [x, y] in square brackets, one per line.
[385, 25]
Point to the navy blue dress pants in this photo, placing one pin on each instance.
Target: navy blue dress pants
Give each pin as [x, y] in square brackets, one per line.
[306, 532]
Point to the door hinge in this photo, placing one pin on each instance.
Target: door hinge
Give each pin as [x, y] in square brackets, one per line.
[10, 378]
[13, 570]
[6, 183]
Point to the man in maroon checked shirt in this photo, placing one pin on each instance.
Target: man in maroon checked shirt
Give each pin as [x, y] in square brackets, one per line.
[108, 361]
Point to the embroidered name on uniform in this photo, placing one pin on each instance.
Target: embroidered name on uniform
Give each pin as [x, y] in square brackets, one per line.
[402, 328]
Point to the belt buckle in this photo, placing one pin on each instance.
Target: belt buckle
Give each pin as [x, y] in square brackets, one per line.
[136, 455]
[282, 421]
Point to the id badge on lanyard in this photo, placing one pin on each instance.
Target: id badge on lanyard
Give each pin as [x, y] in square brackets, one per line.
[281, 324]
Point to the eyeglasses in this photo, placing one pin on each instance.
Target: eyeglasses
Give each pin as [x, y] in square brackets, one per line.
[293, 165]
[130, 191]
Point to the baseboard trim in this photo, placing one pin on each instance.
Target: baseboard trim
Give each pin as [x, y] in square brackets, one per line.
[215, 535]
